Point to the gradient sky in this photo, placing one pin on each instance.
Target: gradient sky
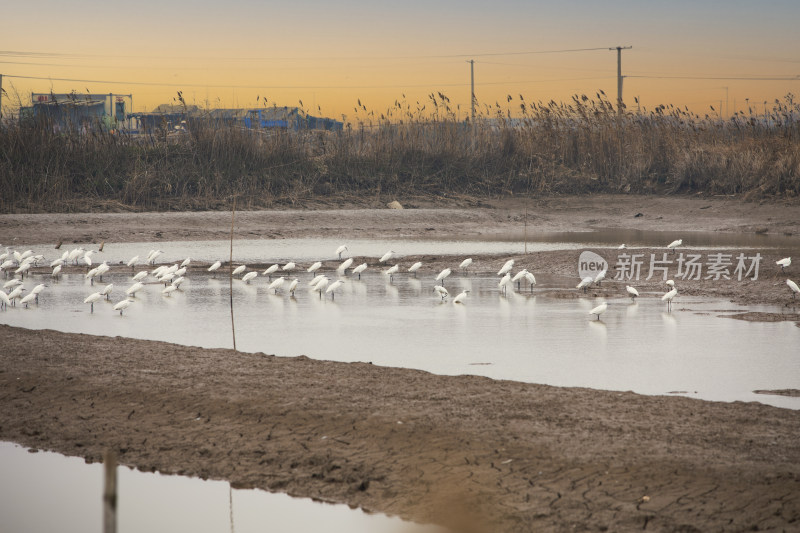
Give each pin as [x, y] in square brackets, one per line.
[330, 54]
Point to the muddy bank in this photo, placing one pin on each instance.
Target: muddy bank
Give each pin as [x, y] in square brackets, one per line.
[443, 219]
[518, 457]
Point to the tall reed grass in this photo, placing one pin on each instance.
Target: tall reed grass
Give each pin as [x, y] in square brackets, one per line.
[583, 146]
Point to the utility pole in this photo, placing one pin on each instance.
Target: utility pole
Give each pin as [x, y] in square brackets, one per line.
[472, 89]
[1, 100]
[619, 50]
[726, 101]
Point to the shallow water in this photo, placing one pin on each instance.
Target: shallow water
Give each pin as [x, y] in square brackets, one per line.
[44, 492]
[521, 336]
[322, 249]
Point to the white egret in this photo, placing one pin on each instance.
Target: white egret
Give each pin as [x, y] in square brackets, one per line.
[91, 275]
[392, 271]
[340, 250]
[416, 266]
[442, 275]
[213, 268]
[12, 283]
[250, 275]
[276, 285]
[674, 244]
[784, 263]
[633, 293]
[87, 257]
[585, 282]
[180, 272]
[17, 256]
[133, 289]
[177, 281]
[152, 258]
[459, 299]
[172, 269]
[166, 278]
[599, 310]
[16, 294]
[600, 277]
[122, 305]
[293, 286]
[38, 289]
[316, 280]
[26, 254]
[668, 298]
[133, 260]
[23, 268]
[518, 277]
[465, 263]
[506, 267]
[359, 269]
[332, 288]
[169, 290]
[27, 299]
[4, 301]
[271, 270]
[56, 271]
[531, 280]
[92, 298]
[55, 262]
[185, 262]
[158, 272]
[314, 267]
[238, 270]
[321, 286]
[140, 276]
[288, 267]
[74, 254]
[345, 264]
[7, 264]
[621, 247]
[441, 291]
[388, 255]
[504, 282]
[792, 285]
[670, 283]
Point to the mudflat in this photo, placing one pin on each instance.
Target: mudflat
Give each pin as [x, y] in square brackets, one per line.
[469, 452]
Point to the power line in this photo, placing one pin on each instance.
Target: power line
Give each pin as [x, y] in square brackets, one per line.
[326, 58]
[731, 78]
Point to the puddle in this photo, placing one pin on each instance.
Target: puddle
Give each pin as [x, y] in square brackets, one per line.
[44, 492]
[529, 337]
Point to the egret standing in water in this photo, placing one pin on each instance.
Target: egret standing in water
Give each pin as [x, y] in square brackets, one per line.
[92, 298]
[4, 301]
[56, 271]
[238, 270]
[506, 267]
[416, 266]
[531, 280]
[359, 269]
[674, 244]
[293, 286]
[345, 265]
[392, 271]
[250, 275]
[633, 293]
[518, 277]
[332, 288]
[313, 268]
[388, 255]
[288, 267]
[585, 282]
[340, 250]
[321, 286]
[106, 290]
[213, 268]
[600, 277]
[122, 305]
[504, 282]
[784, 263]
[441, 291]
[276, 285]
[443, 274]
[459, 299]
[465, 263]
[668, 298]
[599, 310]
[271, 270]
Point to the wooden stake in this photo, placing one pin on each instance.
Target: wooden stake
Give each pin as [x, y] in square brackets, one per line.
[110, 492]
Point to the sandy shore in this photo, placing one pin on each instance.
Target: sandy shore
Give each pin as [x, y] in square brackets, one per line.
[481, 454]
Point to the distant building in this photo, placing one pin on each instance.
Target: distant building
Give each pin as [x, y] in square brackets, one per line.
[172, 118]
[83, 111]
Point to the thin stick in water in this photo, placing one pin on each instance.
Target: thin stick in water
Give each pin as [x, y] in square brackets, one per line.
[230, 273]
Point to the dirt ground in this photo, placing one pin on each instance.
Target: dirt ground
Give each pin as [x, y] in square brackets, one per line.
[469, 452]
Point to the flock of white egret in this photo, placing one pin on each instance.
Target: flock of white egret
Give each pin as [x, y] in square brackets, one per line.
[286, 277]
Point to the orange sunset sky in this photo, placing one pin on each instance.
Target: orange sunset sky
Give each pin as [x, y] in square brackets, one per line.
[330, 54]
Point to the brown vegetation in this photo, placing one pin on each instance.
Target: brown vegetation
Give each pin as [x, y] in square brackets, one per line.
[581, 147]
